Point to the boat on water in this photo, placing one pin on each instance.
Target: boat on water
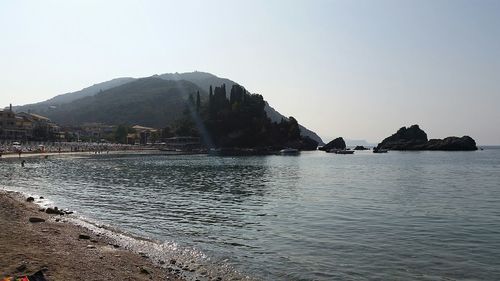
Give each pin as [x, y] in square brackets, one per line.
[289, 151]
[379, 150]
[340, 151]
[344, 152]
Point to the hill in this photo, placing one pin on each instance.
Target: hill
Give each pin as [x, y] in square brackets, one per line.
[69, 97]
[204, 80]
[147, 101]
[60, 110]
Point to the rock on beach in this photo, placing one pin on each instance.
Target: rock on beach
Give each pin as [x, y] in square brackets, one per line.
[36, 219]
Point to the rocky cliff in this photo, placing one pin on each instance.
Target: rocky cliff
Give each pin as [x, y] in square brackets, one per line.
[414, 138]
[337, 143]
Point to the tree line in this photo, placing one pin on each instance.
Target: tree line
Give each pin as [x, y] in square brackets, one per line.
[237, 121]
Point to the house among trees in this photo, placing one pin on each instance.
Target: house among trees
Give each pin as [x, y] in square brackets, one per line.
[40, 128]
[13, 127]
[142, 135]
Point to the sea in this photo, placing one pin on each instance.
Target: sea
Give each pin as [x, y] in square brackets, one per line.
[316, 216]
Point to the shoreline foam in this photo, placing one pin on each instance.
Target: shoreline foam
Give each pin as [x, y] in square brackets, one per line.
[162, 261]
[54, 246]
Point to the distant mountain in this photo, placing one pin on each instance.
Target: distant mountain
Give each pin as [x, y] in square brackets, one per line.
[276, 117]
[350, 142]
[66, 108]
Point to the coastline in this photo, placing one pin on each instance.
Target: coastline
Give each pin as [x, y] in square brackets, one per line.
[56, 247]
[73, 153]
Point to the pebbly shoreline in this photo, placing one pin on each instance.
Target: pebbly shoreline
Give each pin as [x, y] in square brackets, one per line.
[32, 240]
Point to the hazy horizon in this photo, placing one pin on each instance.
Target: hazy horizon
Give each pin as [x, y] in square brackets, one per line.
[359, 70]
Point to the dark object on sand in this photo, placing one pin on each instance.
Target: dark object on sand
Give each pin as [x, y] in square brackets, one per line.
[35, 219]
[21, 267]
[30, 199]
[84, 236]
[35, 277]
[144, 270]
[54, 211]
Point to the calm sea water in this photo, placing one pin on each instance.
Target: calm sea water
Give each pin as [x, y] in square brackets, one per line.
[317, 216]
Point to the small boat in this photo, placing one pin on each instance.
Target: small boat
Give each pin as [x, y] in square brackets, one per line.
[289, 151]
[379, 150]
[340, 151]
[344, 151]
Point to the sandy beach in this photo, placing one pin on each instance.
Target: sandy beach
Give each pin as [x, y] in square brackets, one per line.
[63, 251]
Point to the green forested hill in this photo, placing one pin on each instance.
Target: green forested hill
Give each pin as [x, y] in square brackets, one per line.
[153, 101]
[147, 101]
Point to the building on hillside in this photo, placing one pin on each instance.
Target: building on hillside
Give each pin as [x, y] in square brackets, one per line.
[13, 127]
[40, 128]
[142, 135]
[96, 131]
[26, 125]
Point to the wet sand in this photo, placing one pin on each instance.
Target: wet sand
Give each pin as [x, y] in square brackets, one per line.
[56, 247]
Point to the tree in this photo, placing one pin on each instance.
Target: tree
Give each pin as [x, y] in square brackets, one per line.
[237, 120]
[198, 102]
[121, 133]
[293, 129]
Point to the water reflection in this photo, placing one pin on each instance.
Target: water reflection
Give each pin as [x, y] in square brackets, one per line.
[318, 216]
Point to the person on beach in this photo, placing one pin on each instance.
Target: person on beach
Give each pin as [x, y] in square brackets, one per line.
[22, 163]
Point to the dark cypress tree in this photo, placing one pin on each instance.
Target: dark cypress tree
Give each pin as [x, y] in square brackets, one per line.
[198, 101]
[210, 100]
[236, 94]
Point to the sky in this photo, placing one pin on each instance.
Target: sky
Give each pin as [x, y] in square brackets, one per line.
[356, 69]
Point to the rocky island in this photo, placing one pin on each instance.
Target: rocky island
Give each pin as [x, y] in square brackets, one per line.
[414, 138]
[337, 143]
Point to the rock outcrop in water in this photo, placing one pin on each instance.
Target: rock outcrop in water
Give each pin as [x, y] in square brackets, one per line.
[337, 143]
[452, 143]
[360, 147]
[414, 138]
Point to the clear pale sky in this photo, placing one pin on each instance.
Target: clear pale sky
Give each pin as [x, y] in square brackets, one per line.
[357, 69]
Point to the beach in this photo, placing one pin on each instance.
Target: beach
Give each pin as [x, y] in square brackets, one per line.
[62, 250]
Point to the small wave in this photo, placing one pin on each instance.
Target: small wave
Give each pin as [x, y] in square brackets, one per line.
[39, 200]
[190, 263]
